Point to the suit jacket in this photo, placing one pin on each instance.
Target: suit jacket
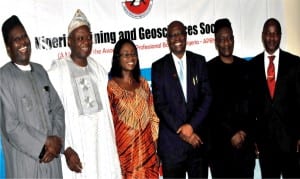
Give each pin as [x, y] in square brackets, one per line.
[277, 119]
[170, 104]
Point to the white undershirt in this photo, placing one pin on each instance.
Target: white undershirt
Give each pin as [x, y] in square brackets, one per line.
[24, 67]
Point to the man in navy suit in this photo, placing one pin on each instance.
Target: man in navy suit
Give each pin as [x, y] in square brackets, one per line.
[276, 112]
[182, 105]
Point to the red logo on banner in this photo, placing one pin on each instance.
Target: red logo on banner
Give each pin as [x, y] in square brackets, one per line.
[137, 8]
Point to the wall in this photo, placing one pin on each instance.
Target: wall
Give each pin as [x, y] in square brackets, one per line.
[292, 13]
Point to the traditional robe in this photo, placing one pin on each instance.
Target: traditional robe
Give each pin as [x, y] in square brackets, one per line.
[89, 125]
[136, 126]
[30, 111]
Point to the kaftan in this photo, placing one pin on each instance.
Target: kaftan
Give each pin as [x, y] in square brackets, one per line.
[30, 111]
[89, 125]
[136, 126]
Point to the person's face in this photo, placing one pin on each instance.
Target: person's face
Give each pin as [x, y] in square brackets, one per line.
[225, 42]
[128, 57]
[18, 46]
[80, 42]
[177, 39]
[271, 37]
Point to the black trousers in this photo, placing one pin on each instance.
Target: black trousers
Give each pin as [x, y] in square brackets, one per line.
[274, 164]
[235, 163]
[194, 166]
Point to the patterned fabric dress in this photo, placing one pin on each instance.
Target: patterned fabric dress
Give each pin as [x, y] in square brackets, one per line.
[136, 126]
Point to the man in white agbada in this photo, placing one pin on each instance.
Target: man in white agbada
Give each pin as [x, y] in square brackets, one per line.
[81, 83]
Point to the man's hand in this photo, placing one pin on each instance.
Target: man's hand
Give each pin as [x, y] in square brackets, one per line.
[238, 139]
[48, 157]
[194, 140]
[73, 160]
[53, 145]
[186, 130]
[187, 134]
[52, 148]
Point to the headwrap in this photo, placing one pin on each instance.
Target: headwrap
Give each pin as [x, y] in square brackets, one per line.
[78, 20]
[220, 23]
[8, 25]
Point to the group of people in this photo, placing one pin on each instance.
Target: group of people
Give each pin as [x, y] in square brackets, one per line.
[78, 121]
[227, 112]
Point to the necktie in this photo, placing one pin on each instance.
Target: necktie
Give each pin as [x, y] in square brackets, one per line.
[181, 76]
[271, 76]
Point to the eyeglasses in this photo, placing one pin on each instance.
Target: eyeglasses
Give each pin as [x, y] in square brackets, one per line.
[178, 34]
[127, 55]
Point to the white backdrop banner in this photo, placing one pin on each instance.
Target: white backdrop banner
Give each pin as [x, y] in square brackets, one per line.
[143, 21]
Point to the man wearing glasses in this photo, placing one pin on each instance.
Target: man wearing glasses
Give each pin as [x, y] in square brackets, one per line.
[182, 98]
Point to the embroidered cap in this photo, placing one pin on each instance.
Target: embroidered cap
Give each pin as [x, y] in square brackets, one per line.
[78, 20]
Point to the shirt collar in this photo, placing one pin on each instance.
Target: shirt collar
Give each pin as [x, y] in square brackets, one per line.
[176, 58]
[276, 53]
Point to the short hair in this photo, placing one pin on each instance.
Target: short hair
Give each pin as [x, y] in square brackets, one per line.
[221, 23]
[173, 23]
[8, 25]
[272, 21]
[116, 69]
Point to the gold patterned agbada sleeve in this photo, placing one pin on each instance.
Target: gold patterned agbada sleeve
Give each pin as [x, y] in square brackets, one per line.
[111, 102]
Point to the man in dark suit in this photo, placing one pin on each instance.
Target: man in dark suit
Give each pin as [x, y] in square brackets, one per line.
[182, 105]
[231, 141]
[276, 107]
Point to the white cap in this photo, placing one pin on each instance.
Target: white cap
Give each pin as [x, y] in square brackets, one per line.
[78, 20]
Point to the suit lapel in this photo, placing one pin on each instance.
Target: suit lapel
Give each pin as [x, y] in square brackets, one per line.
[189, 70]
[282, 70]
[262, 74]
[174, 79]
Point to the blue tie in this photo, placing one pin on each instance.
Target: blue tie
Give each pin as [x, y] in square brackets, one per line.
[181, 76]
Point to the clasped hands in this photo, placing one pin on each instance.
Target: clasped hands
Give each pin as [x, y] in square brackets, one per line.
[52, 149]
[238, 139]
[187, 134]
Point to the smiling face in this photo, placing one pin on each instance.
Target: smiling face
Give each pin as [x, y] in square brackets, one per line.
[80, 43]
[128, 57]
[18, 46]
[177, 38]
[224, 42]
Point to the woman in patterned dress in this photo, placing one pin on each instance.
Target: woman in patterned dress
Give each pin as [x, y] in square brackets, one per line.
[136, 123]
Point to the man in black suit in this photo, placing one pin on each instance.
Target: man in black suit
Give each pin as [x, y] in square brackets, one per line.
[276, 108]
[231, 138]
[182, 105]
